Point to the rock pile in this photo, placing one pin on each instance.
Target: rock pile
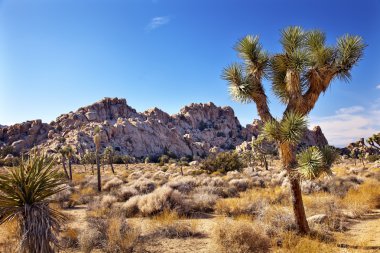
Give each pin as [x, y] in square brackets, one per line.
[195, 130]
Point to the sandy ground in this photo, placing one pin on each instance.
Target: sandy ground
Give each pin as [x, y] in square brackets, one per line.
[364, 233]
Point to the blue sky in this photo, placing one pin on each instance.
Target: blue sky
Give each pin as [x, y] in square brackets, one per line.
[59, 55]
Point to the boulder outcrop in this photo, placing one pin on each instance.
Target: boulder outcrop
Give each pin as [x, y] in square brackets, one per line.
[195, 131]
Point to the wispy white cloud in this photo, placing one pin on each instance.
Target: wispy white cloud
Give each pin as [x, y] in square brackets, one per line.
[349, 124]
[157, 22]
[350, 110]
[378, 86]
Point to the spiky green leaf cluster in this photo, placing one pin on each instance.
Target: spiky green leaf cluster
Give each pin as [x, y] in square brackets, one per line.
[24, 194]
[245, 80]
[32, 182]
[291, 129]
[305, 61]
[316, 161]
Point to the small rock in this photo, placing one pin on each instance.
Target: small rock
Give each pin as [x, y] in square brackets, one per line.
[318, 218]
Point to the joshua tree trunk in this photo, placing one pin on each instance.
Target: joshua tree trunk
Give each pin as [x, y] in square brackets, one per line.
[92, 168]
[113, 171]
[265, 162]
[64, 168]
[98, 169]
[70, 171]
[288, 157]
[181, 171]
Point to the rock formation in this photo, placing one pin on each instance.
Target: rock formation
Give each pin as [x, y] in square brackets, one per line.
[194, 131]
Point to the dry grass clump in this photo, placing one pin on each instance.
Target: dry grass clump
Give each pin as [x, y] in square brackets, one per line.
[184, 185]
[252, 202]
[126, 192]
[86, 194]
[111, 235]
[168, 224]
[154, 202]
[240, 184]
[362, 199]
[239, 236]
[144, 185]
[293, 243]
[277, 219]
[113, 183]
[10, 237]
[202, 202]
[69, 238]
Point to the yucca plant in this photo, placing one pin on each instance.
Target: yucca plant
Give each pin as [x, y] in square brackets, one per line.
[24, 197]
[299, 75]
[97, 141]
[316, 161]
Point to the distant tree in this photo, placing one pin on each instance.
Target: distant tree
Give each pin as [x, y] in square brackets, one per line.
[374, 141]
[97, 140]
[89, 158]
[109, 154]
[261, 150]
[69, 152]
[62, 151]
[299, 75]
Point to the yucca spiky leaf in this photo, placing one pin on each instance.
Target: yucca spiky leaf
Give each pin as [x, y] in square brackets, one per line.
[292, 38]
[239, 87]
[24, 193]
[250, 50]
[330, 155]
[292, 127]
[271, 130]
[310, 163]
[350, 50]
[316, 161]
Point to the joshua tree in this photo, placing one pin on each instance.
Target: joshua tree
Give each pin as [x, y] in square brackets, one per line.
[299, 75]
[374, 141]
[69, 152]
[97, 140]
[108, 156]
[261, 150]
[89, 158]
[24, 193]
[63, 151]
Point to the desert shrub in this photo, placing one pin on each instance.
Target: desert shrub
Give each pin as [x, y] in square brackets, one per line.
[293, 243]
[202, 202]
[184, 185]
[163, 159]
[154, 202]
[126, 192]
[120, 236]
[222, 162]
[223, 192]
[373, 158]
[114, 182]
[107, 201]
[240, 184]
[340, 186]
[86, 194]
[7, 150]
[363, 198]
[112, 235]
[251, 202]
[239, 206]
[168, 224]
[277, 219]
[144, 186]
[240, 237]
[70, 238]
